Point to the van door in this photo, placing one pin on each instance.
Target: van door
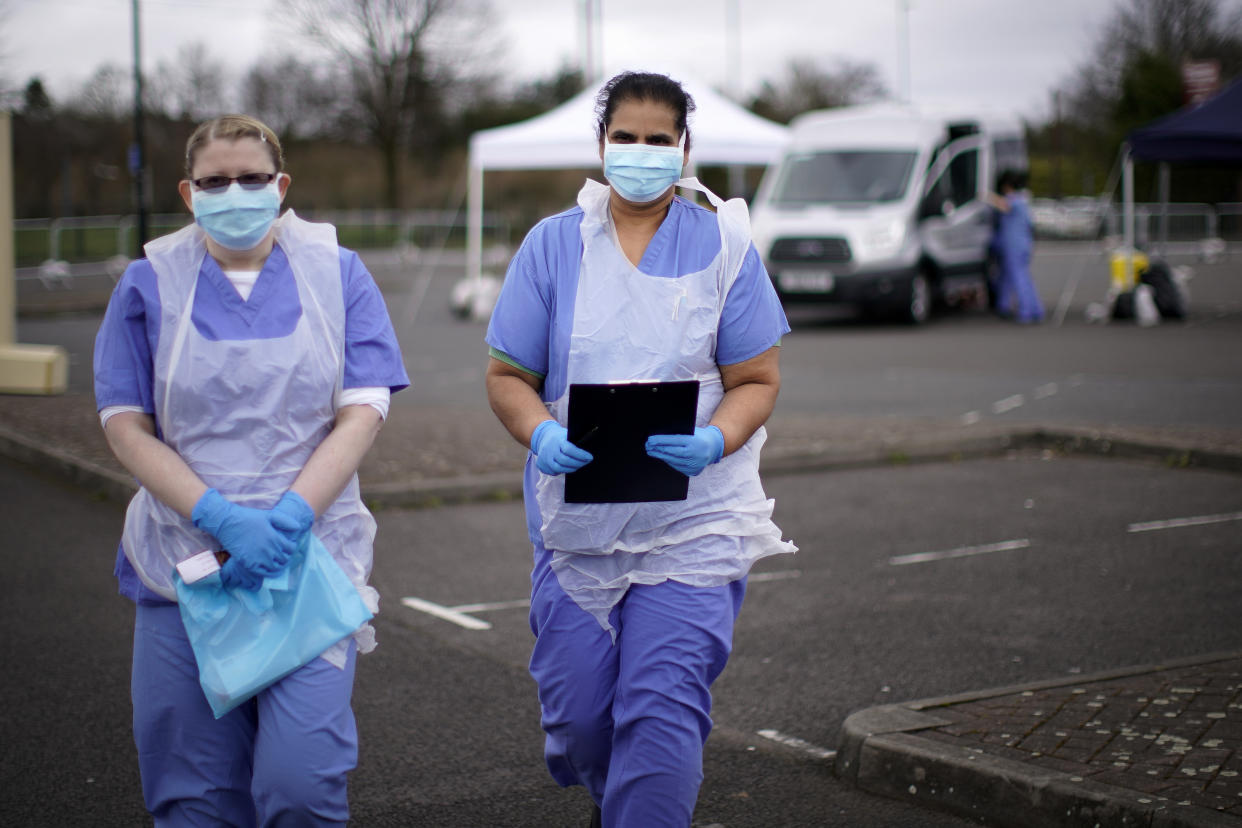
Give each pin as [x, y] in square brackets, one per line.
[955, 222]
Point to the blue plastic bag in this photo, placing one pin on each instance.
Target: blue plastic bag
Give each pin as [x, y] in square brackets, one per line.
[245, 641]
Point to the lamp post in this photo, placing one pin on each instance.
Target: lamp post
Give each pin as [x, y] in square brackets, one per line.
[136, 153]
[592, 41]
[903, 50]
[733, 70]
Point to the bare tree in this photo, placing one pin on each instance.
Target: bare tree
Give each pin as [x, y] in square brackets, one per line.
[1168, 31]
[807, 85]
[1131, 76]
[106, 94]
[296, 99]
[402, 59]
[192, 86]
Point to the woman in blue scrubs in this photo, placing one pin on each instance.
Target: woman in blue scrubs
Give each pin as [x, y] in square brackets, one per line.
[633, 604]
[242, 370]
[1016, 296]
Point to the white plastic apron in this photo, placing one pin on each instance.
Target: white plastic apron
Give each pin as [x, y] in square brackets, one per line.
[632, 326]
[246, 415]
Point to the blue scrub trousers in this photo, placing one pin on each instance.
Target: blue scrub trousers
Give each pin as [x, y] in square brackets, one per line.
[280, 759]
[629, 720]
[1016, 290]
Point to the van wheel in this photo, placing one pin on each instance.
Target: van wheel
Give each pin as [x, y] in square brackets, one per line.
[918, 303]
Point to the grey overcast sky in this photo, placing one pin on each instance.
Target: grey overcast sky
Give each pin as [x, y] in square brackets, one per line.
[1001, 54]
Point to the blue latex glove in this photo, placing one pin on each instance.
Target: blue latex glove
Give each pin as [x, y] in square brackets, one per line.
[554, 454]
[234, 575]
[293, 516]
[688, 453]
[246, 533]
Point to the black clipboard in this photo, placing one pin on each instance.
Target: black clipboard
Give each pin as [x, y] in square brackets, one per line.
[613, 422]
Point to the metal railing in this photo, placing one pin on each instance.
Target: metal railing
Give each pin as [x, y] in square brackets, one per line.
[1182, 228]
[57, 250]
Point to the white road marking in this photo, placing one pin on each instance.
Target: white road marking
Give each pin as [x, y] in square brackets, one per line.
[461, 614]
[782, 575]
[521, 603]
[960, 552]
[446, 614]
[798, 744]
[971, 417]
[1176, 523]
[1008, 404]
[1045, 391]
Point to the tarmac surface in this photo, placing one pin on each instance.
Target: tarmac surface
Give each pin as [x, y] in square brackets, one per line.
[1155, 745]
[1152, 745]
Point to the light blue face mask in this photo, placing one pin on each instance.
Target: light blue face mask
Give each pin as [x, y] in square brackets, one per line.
[641, 173]
[237, 219]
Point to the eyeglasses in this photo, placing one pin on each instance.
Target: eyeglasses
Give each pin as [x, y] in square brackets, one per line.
[220, 183]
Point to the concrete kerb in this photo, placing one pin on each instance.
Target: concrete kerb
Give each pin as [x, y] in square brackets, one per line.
[502, 486]
[882, 753]
[103, 481]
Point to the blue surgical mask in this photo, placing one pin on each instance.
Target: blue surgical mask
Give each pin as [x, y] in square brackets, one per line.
[641, 173]
[237, 219]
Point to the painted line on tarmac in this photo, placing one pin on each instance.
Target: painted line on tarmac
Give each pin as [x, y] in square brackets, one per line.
[782, 575]
[1042, 392]
[461, 614]
[521, 603]
[960, 552]
[797, 744]
[449, 614]
[1177, 523]
[1008, 404]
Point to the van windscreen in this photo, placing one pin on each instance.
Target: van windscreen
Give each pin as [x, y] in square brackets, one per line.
[843, 177]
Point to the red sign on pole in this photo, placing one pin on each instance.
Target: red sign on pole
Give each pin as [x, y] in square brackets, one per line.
[1200, 80]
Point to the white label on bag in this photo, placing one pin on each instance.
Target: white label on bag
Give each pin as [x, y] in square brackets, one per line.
[197, 567]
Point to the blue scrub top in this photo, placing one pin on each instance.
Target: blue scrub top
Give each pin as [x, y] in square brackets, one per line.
[533, 318]
[128, 336]
[1013, 229]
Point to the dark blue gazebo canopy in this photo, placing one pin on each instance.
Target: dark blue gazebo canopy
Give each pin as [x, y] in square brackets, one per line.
[1210, 133]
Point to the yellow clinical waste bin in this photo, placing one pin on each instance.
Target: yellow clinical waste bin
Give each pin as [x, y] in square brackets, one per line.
[1126, 266]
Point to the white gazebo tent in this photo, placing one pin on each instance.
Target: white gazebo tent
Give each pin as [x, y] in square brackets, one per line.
[721, 132]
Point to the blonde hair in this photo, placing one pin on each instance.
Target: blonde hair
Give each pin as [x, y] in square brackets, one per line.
[233, 128]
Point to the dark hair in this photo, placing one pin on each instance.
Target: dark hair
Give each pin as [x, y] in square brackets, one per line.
[643, 86]
[1014, 179]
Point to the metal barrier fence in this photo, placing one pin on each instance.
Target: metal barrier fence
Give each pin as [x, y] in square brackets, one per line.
[58, 251]
[1187, 222]
[61, 242]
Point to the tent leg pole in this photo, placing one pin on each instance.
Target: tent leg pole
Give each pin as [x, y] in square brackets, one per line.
[1127, 201]
[474, 223]
[1164, 208]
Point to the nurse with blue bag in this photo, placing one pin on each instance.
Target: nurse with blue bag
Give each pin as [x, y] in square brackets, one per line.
[633, 604]
[242, 370]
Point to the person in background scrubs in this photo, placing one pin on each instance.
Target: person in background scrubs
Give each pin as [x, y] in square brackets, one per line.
[1016, 297]
[242, 370]
[633, 605]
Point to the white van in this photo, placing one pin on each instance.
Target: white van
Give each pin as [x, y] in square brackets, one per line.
[882, 206]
